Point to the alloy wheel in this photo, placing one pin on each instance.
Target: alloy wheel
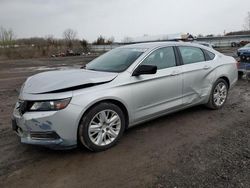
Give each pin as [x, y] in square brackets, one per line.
[220, 94]
[104, 127]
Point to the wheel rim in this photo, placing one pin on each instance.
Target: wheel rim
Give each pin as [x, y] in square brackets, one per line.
[104, 127]
[220, 94]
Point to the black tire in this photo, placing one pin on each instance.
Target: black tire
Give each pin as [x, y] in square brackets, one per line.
[211, 104]
[83, 135]
[240, 75]
[248, 76]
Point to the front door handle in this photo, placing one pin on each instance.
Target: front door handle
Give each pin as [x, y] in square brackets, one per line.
[206, 67]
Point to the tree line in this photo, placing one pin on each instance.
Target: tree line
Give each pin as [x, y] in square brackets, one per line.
[8, 39]
[13, 47]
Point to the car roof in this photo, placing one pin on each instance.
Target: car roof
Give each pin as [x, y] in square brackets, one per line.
[149, 45]
[152, 45]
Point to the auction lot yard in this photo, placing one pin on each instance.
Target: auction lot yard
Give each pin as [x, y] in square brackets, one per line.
[196, 147]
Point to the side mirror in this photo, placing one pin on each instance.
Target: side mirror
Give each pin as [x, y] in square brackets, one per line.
[145, 69]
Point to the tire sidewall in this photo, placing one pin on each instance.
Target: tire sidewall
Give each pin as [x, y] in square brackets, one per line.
[83, 136]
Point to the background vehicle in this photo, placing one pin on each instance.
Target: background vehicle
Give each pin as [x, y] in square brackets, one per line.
[244, 68]
[206, 44]
[244, 52]
[239, 44]
[122, 88]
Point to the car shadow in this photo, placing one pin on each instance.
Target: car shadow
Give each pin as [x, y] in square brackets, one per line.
[169, 117]
[155, 123]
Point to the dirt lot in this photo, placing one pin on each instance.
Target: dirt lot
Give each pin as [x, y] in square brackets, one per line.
[196, 147]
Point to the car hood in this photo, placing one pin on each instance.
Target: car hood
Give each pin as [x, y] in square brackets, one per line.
[244, 49]
[65, 80]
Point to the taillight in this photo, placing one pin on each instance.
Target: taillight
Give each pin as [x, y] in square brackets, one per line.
[237, 63]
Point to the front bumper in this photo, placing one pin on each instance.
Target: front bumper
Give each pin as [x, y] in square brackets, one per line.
[244, 53]
[53, 129]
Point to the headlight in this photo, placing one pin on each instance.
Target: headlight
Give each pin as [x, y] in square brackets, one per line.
[48, 105]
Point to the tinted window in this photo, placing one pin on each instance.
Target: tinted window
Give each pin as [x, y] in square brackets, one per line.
[162, 58]
[116, 60]
[191, 54]
[210, 55]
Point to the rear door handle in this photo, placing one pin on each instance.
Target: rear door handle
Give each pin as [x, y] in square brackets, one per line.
[206, 67]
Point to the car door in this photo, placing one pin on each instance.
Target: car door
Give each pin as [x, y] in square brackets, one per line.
[198, 74]
[156, 93]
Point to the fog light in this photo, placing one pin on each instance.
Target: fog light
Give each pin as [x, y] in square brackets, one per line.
[44, 135]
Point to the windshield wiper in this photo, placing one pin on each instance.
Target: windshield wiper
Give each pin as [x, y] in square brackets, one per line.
[93, 69]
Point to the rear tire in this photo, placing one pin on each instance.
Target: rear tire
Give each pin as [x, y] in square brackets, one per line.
[240, 75]
[101, 127]
[218, 96]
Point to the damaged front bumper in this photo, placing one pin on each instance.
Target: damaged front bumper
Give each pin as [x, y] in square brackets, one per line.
[53, 129]
[45, 138]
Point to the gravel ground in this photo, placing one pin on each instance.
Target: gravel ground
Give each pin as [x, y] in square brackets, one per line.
[221, 161]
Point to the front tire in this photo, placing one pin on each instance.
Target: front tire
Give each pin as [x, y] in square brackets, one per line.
[218, 94]
[101, 127]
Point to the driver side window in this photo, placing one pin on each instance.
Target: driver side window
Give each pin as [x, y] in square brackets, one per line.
[162, 58]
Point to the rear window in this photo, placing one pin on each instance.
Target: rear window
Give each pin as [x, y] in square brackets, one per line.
[209, 55]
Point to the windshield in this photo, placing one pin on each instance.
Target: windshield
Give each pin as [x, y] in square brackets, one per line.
[116, 60]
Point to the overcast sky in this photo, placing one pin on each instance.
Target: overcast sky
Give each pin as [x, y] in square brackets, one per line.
[121, 18]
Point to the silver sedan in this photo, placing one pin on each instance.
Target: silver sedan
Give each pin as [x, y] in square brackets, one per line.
[124, 87]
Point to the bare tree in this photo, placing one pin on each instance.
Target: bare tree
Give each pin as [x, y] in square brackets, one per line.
[110, 40]
[84, 44]
[50, 40]
[246, 25]
[100, 40]
[69, 35]
[6, 37]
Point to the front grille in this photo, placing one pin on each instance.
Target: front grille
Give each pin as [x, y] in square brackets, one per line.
[44, 135]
